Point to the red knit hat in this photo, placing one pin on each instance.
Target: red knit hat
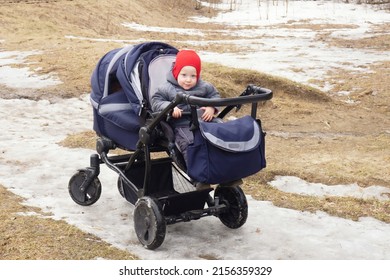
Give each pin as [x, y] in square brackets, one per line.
[186, 58]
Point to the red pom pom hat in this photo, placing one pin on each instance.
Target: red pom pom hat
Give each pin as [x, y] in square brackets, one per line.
[186, 58]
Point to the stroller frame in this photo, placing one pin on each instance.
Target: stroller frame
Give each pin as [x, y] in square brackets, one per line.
[149, 184]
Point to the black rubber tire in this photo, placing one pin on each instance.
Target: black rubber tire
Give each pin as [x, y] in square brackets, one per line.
[237, 206]
[149, 223]
[84, 198]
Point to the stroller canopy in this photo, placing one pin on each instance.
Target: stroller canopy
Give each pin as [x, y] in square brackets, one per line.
[122, 84]
[130, 67]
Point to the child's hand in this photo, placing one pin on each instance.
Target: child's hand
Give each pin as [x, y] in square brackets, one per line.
[208, 114]
[176, 112]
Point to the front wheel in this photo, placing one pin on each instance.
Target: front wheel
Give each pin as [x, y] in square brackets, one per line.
[149, 223]
[82, 194]
[237, 206]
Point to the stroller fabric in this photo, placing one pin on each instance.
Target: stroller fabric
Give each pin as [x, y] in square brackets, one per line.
[227, 151]
[122, 84]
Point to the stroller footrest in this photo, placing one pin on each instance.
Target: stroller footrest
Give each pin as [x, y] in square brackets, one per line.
[192, 215]
[195, 214]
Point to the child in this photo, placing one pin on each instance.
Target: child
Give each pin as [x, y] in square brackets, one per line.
[184, 76]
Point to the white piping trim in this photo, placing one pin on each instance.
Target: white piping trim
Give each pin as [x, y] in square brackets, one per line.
[235, 145]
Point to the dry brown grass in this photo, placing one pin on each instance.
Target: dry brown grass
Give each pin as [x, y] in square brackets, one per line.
[37, 237]
[86, 139]
[345, 207]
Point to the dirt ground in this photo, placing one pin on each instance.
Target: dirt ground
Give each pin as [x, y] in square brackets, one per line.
[319, 137]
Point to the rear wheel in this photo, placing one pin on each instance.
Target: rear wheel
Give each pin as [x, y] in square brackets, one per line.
[237, 206]
[149, 223]
[82, 194]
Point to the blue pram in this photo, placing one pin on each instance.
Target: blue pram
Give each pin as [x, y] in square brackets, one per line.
[152, 173]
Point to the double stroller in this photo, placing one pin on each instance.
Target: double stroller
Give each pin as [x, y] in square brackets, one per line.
[152, 173]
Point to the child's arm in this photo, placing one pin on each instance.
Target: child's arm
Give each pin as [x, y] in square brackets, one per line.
[161, 99]
[209, 111]
[176, 112]
[208, 114]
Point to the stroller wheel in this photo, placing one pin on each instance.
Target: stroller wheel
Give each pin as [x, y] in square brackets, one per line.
[149, 223]
[237, 206]
[84, 195]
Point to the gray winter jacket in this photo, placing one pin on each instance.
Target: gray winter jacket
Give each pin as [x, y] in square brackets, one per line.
[166, 93]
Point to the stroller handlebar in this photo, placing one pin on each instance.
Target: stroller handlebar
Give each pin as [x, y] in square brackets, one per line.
[251, 94]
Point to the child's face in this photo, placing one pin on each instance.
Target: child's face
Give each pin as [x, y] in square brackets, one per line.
[187, 77]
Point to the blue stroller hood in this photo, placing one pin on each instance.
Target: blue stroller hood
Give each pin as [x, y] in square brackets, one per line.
[121, 86]
[105, 70]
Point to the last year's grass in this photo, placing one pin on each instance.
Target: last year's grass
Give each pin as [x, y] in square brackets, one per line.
[26, 233]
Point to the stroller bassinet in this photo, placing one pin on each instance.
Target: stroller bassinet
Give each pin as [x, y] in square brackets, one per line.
[161, 187]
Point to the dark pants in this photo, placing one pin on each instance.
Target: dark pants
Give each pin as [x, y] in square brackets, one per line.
[183, 137]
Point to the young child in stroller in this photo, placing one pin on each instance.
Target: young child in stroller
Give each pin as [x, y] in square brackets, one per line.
[185, 76]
